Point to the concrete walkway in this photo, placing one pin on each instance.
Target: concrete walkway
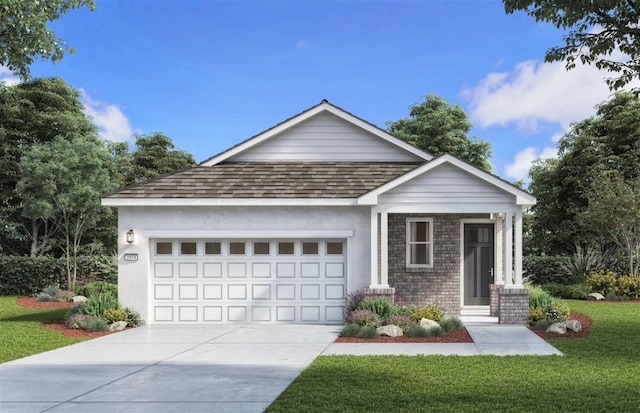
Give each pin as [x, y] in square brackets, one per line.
[489, 339]
[230, 368]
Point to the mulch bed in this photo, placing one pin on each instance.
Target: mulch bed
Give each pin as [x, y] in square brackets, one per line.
[460, 336]
[586, 327]
[32, 302]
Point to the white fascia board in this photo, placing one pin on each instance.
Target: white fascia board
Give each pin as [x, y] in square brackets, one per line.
[250, 233]
[166, 202]
[522, 198]
[323, 107]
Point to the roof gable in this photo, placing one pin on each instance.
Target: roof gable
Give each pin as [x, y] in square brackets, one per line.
[448, 176]
[323, 133]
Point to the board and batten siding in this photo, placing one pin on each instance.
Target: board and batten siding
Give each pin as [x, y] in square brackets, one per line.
[446, 184]
[325, 137]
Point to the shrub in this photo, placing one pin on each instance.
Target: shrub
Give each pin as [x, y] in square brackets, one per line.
[114, 314]
[350, 330]
[98, 287]
[78, 321]
[541, 269]
[44, 297]
[615, 297]
[367, 332]
[133, 318]
[97, 305]
[352, 301]
[364, 318]
[418, 331]
[64, 296]
[405, 309]
[570, 292]
[432, 312]
[543, 306]
[95, 324]
[51, 290]
[451, 324]
[582, 263]
[380, 305]
[603, 282]
[402, 321]
[628, 286]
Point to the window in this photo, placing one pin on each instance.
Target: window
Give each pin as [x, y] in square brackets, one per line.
[334, 248]
[260, 248]
[310, 248]
[164, 248]
[285, 248]
[419, 243]
[236, 248]
[212, 248]
[188, 248]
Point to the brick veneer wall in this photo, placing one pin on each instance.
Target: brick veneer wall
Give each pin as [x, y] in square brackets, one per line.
[421, 286]
[514, 306]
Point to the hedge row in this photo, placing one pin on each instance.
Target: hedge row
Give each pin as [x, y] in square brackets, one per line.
[542, 269]
[28, 276]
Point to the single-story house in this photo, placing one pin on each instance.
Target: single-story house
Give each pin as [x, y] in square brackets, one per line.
[280, 227]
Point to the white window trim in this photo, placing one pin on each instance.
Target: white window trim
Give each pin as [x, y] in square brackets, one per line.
[408, 243]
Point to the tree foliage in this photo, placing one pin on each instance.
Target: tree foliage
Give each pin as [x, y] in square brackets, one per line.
[31, 113]
[25, 36]
[62, 181]
[606, 143]
[155, 155]
[438, 127]
[596, 30]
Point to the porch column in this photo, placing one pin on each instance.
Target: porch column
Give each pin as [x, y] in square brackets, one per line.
[499, 276]
[518, 250]
[508, 271]
[374, 248]
[384, 247]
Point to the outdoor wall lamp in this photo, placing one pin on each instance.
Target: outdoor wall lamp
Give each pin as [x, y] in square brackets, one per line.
[130, 236]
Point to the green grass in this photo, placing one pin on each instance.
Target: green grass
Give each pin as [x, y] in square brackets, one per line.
[22, 333]
[597, 373]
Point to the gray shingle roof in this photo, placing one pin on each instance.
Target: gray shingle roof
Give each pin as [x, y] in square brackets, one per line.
[271, 180]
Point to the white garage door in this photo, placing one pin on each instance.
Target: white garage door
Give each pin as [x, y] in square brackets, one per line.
[218, 281]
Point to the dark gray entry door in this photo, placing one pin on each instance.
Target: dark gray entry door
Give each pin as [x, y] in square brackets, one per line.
[478, 263]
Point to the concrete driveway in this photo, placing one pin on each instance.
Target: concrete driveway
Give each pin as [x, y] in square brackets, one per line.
[228, 368]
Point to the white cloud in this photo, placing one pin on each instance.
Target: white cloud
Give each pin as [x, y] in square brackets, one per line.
[112, 123]
[8, 77]
[519, 168]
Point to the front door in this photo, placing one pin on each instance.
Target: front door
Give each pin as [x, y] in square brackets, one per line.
[478, 263]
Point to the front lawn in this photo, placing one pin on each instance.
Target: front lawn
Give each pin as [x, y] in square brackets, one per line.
[597, 373]
[22, 333]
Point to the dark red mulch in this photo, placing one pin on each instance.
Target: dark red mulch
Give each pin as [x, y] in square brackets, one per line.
[460, 336]
[586, 327]
[31, 302]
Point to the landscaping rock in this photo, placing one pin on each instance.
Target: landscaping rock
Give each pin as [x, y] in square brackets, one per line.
[79, 299]
[573, 325]
[557, 328]
[391, 331]
[117, 326]
[595, 297]
[426, 323]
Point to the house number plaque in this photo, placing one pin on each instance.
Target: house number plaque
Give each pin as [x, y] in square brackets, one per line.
[131, 257]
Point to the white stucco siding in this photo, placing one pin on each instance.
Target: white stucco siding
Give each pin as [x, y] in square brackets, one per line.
[326, 137]
[447, 185]
[237, 222]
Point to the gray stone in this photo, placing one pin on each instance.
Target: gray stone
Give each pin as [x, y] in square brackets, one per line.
[595, 297]
[117, 326]
[79, 299]
[573, 325]
[391, 331]
[426, 323]
[558, 328]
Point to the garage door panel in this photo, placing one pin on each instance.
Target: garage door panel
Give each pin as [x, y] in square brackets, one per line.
[187, 270]
[212, 270]
[274, 284]
[285, 270]
[310, 270]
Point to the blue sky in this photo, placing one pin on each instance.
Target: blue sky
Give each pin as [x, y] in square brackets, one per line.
[210, 74]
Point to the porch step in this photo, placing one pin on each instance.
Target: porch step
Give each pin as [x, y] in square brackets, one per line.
[477, 315]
